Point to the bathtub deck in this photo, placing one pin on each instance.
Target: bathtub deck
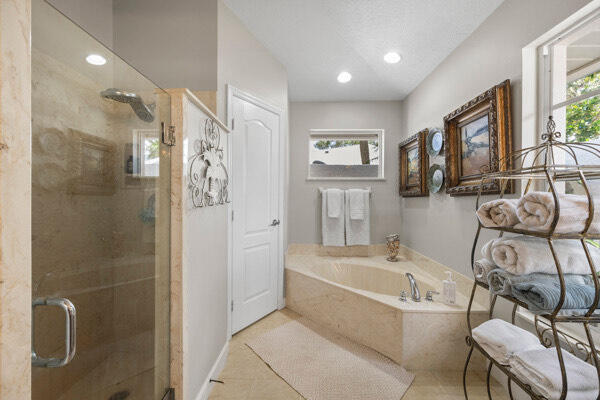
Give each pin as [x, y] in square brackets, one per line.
[247, 377]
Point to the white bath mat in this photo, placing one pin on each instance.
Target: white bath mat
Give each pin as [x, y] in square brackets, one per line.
[320, 364]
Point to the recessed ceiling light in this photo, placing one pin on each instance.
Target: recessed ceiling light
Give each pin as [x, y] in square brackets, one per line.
[95, 59]
[344, 77]
[392, 57]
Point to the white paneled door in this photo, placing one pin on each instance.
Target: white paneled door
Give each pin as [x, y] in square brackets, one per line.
[256, 252]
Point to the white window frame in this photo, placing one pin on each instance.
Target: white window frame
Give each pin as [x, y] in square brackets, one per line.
[543, 92]
[139, 149]
[349, 134]
[543, 84]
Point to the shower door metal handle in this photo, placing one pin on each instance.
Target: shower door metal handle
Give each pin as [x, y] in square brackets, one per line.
[70, 333]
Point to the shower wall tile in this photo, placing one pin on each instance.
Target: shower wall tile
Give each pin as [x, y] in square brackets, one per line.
[15, 194]
[177, 193]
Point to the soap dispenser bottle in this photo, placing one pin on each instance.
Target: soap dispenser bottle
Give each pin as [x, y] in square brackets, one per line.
[449, 289]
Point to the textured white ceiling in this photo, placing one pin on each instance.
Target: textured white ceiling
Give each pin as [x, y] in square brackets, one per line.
[316, 39]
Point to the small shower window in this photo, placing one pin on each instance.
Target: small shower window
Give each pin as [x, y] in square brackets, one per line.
[354, 154]
[144, 160]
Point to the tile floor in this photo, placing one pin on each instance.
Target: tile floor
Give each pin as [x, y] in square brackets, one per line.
[247, 377]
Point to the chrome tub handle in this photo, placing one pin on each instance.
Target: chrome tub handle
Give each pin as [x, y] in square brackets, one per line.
[70, 333]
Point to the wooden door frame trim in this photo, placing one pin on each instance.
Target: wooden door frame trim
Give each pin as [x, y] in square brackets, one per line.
[232, 92]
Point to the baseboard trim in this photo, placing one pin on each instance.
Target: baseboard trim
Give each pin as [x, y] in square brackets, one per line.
[214, 373]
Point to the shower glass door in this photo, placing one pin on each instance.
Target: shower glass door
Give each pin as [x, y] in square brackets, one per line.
[100, 220]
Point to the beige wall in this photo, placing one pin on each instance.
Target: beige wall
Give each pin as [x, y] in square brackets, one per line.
[440, 226]
[305, 218]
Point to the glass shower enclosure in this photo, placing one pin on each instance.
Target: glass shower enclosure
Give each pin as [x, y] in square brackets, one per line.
[100, 220]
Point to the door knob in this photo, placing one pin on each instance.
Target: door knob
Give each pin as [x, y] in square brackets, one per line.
[275, 222]
[70, 333]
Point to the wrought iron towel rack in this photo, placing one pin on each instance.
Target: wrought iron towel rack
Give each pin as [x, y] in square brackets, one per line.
[549, 162]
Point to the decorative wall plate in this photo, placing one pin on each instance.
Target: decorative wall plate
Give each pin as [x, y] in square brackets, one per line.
[435, 178]
[435, 141]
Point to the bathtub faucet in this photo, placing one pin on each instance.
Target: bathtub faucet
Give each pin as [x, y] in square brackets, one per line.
[414, 289]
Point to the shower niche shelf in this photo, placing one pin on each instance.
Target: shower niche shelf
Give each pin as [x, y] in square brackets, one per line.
[545, 171]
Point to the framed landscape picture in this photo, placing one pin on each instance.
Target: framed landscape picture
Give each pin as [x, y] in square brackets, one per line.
[478, 139]
[414, 162]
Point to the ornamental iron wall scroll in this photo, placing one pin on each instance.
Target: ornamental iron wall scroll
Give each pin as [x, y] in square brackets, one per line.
[208, 174]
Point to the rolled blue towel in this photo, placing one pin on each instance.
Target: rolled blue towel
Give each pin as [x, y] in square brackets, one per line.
[541, 292]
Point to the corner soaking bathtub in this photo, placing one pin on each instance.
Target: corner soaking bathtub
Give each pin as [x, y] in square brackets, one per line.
[358, 297]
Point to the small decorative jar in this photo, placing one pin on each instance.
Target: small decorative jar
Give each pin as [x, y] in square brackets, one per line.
[393, 247]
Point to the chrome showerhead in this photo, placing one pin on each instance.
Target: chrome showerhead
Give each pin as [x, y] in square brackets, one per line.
[143, 111]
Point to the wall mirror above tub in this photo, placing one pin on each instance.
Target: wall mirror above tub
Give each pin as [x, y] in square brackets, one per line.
[346, 154]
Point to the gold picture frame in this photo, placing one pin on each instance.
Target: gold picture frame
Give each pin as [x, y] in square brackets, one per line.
[478, 139]
[413, 164]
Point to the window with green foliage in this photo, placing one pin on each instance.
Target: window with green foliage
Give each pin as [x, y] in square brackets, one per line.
[583, 117]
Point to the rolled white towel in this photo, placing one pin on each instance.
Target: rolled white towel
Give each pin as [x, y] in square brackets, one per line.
[481, 269]
[498, 213]
[501, 340]
[525, 255]
[541, 370]
[536, 210]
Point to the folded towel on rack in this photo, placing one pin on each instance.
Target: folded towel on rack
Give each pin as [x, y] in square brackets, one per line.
[357, 203]
[541, 370]
[498, 213]
[358, 231]
[335, 202]
[542, 293]
[481, 269]
[332, 228]
[521, 255]
[501, 340]
[536, 210]
[502, 282]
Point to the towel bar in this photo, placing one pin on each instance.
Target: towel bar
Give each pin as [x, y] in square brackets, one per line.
[368, 188]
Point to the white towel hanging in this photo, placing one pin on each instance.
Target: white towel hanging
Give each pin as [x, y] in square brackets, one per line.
[358, 231]
[332, 228]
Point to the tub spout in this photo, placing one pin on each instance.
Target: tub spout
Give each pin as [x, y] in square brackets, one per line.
[414, 289]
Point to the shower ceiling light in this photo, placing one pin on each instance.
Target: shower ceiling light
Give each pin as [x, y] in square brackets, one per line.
[392, 57]
[95, 59]
[344, 77]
